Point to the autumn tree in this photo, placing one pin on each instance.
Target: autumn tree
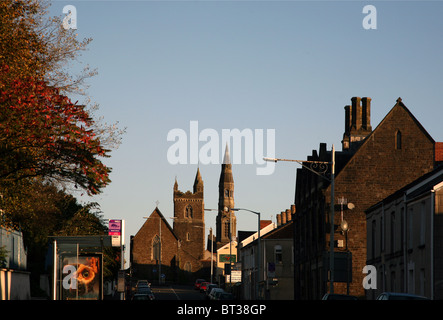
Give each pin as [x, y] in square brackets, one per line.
[35, 44]
[44, 134]
[35, 56]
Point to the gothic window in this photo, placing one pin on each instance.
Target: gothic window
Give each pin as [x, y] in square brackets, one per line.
[188, 236]
[188, 212]
[156, 248]
[398, 140]
[226, 193]
[188, 267]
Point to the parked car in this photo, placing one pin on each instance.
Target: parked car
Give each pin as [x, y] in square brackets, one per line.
[197, 283]
[335, 296]
[203, 286]
[214, 292]
[209, 289]
[400, 296]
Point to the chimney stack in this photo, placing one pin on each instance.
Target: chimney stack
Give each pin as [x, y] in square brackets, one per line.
[283, 217]
[288, 215]
[357, 122]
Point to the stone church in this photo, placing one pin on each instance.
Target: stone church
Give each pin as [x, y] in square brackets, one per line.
[163, 253]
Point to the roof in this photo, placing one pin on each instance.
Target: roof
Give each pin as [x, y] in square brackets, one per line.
[149, 221]
[417, 187]
[285, 231]
[399, 104]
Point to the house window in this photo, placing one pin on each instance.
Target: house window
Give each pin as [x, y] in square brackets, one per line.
[278, 254]
[398, 140]
[422, 223]
[393, 232]
[373, 240]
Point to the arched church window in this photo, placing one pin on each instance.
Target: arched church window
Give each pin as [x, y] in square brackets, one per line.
[188, 266]
[156, 248]
[188, 212]
[398, 140]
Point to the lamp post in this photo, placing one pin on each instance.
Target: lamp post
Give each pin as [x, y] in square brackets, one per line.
[258, 247]
[321, 167]
[212, 247]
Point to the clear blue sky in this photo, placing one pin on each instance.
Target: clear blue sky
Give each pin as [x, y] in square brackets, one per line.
[291, 66]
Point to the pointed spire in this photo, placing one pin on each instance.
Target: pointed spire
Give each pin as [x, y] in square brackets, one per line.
[175, 184]
[227, 158]
[198, 183]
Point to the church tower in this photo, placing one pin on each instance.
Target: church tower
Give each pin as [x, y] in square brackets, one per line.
[189, 217]
[226, 223]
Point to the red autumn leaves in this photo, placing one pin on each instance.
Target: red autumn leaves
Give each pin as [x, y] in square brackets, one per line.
[42, 133]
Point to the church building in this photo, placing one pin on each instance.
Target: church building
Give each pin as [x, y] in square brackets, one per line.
[163, 253]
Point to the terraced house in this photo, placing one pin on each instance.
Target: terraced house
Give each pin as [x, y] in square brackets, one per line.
[371, 165]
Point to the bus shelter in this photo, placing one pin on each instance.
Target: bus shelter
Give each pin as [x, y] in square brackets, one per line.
[78, 267]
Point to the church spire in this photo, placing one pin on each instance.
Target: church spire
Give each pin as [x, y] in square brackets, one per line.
[227, 157]
[198, 182]
[226, 220]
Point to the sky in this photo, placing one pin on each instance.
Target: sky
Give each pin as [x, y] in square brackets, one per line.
[284, 66]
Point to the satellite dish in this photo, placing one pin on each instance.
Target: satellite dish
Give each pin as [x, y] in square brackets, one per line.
[351, 206]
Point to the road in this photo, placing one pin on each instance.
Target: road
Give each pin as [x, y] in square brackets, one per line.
[176, 292]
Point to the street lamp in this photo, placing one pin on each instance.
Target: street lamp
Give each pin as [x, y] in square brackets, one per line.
[321, 167]
[212, 247]
[258, 247]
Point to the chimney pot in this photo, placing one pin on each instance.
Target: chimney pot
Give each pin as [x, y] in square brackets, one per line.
[283, 217]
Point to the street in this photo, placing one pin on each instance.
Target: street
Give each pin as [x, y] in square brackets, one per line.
[176, 292]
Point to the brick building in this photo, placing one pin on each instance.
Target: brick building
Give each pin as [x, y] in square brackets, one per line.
[371, 165]
[178, 252]
[405, 239]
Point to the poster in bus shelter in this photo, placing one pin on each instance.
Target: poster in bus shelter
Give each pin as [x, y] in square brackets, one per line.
[82, 277]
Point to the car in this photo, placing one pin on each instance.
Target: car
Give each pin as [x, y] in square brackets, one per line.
[142, 296]
[203, 286]
[142, 283]
[144, 292]
[400, 296]
[226, 296]
[209, 289]
[335, 296]
[214, 293]
[197, 283]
